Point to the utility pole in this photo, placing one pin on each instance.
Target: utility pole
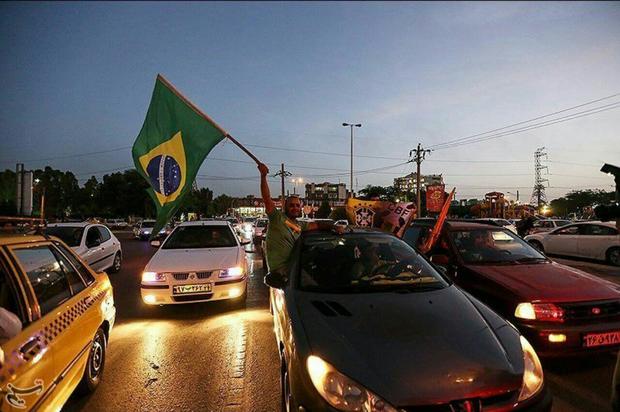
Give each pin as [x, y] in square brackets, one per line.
[419, 155]
[351, 125]
[283, 175]
[538, 194]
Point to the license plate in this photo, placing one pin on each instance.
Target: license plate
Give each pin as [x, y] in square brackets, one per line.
[601, 339]
[186, 289]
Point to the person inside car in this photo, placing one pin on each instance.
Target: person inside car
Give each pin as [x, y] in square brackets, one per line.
[367, 260]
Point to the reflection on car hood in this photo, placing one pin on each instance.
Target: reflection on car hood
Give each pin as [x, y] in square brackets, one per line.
[413, 348]
[182, 260]
[549, 282]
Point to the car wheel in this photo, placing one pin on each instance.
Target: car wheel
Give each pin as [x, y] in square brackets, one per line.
[116, 265]
[94, 364]
[537, 245]
[285, 384]
[613, 256]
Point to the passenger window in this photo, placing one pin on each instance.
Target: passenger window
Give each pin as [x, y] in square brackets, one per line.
[75, 281]
[573, 230]
[596, 230]
[8, 297]
[93, 237]
[86, 275]
[105, 234]
[46, 276]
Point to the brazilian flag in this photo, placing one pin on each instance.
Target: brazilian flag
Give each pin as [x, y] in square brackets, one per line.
[174, 141]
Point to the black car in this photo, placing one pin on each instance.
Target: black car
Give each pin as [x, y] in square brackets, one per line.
[365, 323]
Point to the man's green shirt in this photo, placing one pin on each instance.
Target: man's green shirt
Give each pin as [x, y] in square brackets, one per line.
[280, 239]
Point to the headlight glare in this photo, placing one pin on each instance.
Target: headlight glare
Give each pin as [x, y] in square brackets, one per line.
[231, 272]
[153, 277]
[525, 310]
[341, 392]
[532, 372]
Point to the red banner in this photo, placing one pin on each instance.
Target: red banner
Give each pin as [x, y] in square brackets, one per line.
[435, 197]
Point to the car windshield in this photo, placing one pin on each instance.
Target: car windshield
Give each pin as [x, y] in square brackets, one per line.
[261, 223]
[148, 224]
[197, 237]
[493, 246]
[361, 263]
[71, 235]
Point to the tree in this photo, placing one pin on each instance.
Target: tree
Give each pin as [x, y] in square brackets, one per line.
[388, 193]
[220, 205]
[61, 192]
[8, 184]
[576, 200]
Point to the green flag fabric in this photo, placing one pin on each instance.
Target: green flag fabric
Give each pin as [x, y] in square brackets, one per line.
[174, 141]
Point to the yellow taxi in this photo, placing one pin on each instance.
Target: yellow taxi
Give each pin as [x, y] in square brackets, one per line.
[55, 319]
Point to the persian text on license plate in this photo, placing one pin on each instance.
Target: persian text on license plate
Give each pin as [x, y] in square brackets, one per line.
[601, 339]
[185, 289]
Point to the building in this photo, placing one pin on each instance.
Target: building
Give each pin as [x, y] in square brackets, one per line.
[336, 192]
[408, 183]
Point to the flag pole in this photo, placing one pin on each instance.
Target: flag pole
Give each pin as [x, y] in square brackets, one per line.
[206, 117]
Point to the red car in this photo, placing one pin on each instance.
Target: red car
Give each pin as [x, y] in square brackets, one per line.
[559, 309]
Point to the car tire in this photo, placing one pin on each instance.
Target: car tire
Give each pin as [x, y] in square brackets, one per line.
[94, 364]
[116, 265]
[613, 256]
[285, 387]
[537, 245]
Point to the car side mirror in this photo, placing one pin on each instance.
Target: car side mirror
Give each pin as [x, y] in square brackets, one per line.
[441, 260]
[156, 243]
[275, 280]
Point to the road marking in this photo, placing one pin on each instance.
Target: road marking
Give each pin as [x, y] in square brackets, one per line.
[236, 383]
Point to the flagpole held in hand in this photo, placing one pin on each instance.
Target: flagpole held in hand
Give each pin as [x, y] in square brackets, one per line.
[206, 117]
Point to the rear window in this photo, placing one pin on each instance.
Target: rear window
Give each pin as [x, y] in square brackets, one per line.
[148, 224]
[198, 237]
[362, 263]
[71, 235]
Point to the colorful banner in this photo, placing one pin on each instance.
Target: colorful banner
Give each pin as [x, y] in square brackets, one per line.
[435, 196]
[387, 216]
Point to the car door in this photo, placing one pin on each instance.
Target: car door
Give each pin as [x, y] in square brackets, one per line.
[108, 248]
[26, 363]
[595, 240]
[562, 241]
[94, 251]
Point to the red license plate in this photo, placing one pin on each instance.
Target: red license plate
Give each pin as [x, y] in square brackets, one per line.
[601, 339]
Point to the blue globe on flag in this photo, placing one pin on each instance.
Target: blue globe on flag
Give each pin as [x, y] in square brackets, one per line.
[165, 174]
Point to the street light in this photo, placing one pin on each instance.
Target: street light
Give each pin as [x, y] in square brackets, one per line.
[295, 181]
[352, 126]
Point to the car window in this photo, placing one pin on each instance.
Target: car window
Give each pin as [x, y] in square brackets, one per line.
[261, 223]
[84, 272]
[8, 296]
[599, 230]
[194, 237]
[75, 281]
[493, 246]
[559, 223]
[93, 237]
[360, 263]
[105, 234]
[571, 230]
[147, 224]
[46, 276]
[71, 235]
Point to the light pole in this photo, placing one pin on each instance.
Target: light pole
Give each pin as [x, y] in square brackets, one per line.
[352, 126]
[295, 181]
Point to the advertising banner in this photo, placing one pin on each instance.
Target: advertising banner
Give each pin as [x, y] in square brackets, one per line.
[435, 197]
[387, 216]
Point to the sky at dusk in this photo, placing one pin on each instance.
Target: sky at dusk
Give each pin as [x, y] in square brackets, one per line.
[77, 78]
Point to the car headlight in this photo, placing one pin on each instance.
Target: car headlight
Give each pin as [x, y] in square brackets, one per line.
[341, 392]
[153, 277]
[532, 372]
[230, 272]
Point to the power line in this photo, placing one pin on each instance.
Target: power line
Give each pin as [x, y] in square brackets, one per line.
[526, 121]
[71, 156]
[534, 126]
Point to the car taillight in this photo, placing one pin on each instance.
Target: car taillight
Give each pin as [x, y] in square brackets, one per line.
[548, 312]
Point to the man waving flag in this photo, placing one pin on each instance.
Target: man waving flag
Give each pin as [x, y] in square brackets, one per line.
[174, 141]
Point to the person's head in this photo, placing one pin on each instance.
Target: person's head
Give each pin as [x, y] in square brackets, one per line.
[482, 238]
[292, 207]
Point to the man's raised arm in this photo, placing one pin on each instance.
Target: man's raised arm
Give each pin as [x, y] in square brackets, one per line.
[264, 188]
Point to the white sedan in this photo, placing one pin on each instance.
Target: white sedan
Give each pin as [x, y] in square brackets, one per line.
[199, 261]
[594, 240]
[94, 243]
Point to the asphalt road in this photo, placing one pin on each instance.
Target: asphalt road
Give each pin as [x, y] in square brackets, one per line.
[216, 357]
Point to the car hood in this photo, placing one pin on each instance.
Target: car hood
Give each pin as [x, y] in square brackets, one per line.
[412, 348]
[183, 260]
[549, 282]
